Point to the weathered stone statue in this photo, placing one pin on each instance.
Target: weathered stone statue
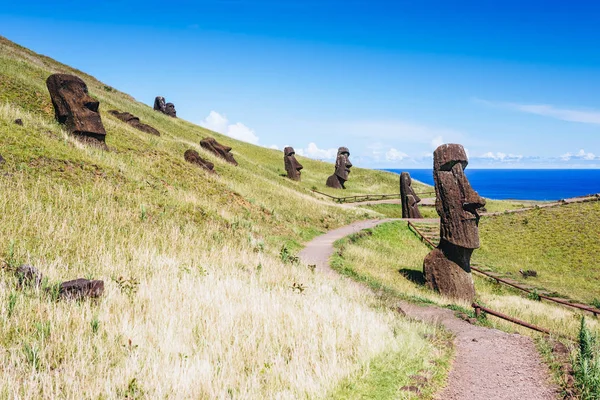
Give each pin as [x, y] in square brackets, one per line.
[218, 149]
[193, 157]
[447, 268]
[135, 122]
[408, 197]
[160, 105]
[292, 166]
[81, 288]
[342, 169]
[76, 109]
[170, 110]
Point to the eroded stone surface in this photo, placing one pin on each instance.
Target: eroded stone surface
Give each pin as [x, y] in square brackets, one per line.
[218, 149]
[342, 169]
[81, 288]
[135, 122]
[193, 157]
[292, 166]
[76, 109]
[409, 198]
[447, 268]
[170, 110]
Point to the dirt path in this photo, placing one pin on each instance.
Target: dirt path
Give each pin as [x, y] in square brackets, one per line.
[489, 364]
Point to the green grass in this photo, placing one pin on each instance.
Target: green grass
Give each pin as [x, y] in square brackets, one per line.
[200, 300]
[560, 243]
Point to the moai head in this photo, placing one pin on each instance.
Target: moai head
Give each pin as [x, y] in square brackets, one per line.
[218, 149]
[170, 110]
[292, 166]
[408, 197]
[343, 164]
[456, 203]
[193, 157]
[160, 105]
[342, 169]
[75, 108]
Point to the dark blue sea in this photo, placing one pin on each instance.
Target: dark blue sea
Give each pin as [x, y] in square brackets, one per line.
[524, 184]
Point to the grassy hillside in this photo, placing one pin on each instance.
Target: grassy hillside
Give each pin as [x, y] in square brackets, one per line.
[203, 296]
[560, 243]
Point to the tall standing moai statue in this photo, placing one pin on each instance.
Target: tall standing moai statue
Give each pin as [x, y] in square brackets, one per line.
[292, 166]
[408, 197]
[342, 169]
[76, 109]
[447, 268]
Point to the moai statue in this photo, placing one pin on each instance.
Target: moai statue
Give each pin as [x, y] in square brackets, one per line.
[170, 110]
[447, 268]
[342, 169]
[134, 121]
[292, 166]
[409, 198]
[160, 105]
[193, 157]
[218, 149]
[76, 109]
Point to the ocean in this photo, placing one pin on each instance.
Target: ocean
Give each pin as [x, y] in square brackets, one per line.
[523, 184]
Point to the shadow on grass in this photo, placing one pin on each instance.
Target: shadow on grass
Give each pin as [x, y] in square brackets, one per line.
[413, 275]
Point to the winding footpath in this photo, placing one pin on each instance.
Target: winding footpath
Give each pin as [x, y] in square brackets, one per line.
[489, 364]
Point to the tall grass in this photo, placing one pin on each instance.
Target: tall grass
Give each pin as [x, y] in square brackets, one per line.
[587, 364]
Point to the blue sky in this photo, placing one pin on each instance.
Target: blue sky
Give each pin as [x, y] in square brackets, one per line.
[516, 82]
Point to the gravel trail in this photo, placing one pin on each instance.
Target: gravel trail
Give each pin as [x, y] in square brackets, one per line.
[489, 364]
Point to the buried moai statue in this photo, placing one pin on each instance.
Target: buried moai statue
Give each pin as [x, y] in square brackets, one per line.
[193, 157]
[447, 268]
[134, 122]
[218, 149]
[342, 169]
[160, 105]
[408, 197]
[292, 166]
[76, 109]
[165, 108]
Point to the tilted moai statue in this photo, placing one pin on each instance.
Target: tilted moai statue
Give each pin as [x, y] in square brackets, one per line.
[218, 149]
[76, 109]
[170, 110]
[447, 268]
[342, 169]
[193, 157]
[292, 166]
[160, 105]
[165, 108]
[408, 197]
[134, 121]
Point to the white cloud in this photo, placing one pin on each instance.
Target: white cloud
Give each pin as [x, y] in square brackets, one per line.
[274, 147]
[437, 142]
[395, 155]
[219, 123]
[503, 157]
[580, 155]
[548, 110]
[313, 151]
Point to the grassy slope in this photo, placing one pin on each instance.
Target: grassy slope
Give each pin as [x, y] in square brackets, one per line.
[560, 243]
[198, 301]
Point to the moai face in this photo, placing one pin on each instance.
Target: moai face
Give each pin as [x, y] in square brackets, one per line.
[170, 110]
[409, 198]
[292, 166]
[74, 107]
[160, 105]
[218, 149]
[343, 164]
[457, 203]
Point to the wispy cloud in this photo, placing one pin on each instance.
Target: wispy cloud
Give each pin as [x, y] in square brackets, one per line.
[219, 123]
[548, 110]
[313, 151]
[580, 155]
